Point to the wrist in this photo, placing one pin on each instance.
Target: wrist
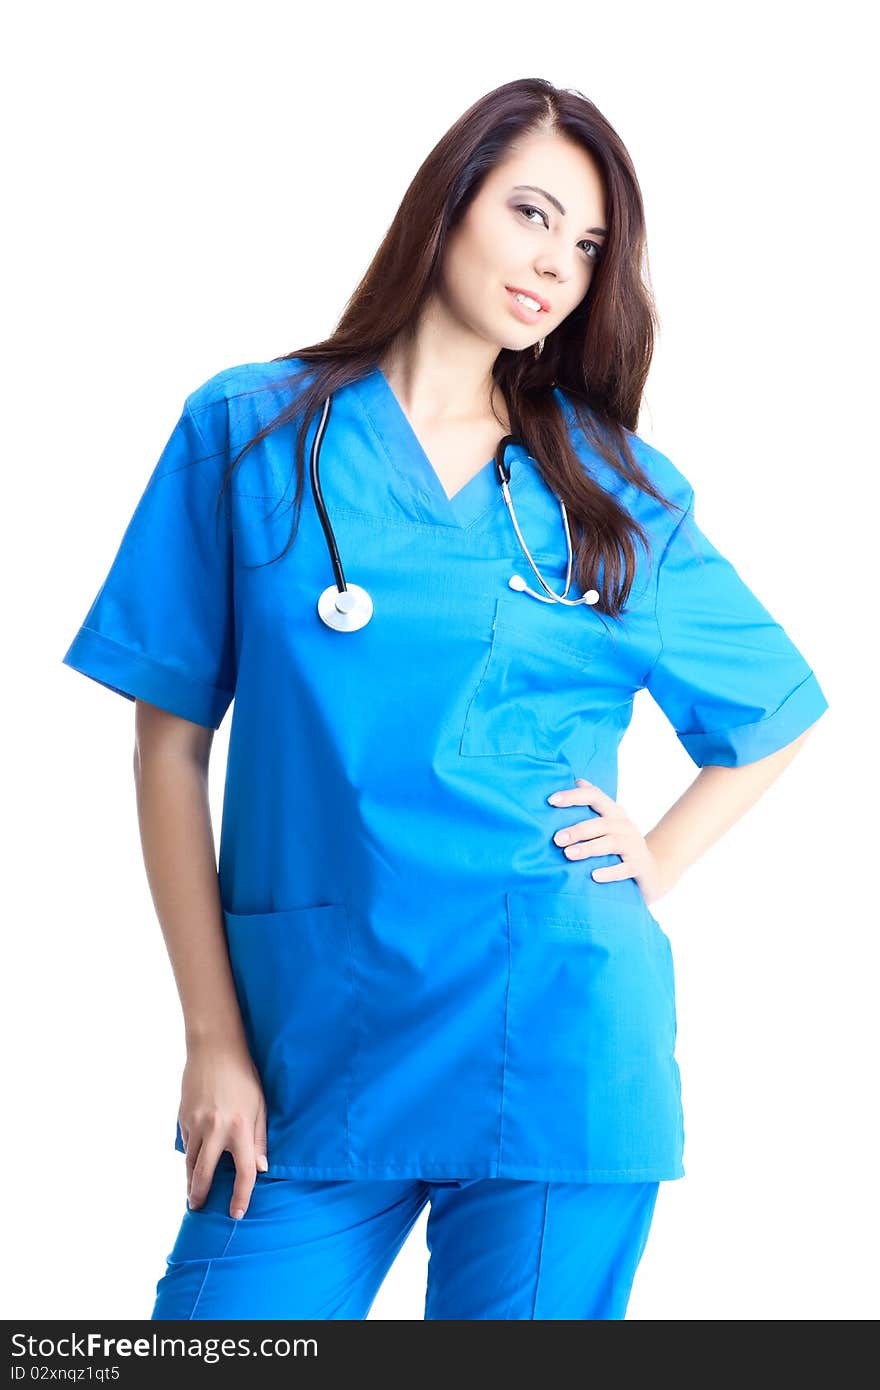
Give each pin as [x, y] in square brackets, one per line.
[214, 1033]
[669, 866]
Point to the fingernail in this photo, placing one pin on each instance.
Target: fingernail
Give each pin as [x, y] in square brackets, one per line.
[555, 799]
[262, 1163]
[562, 838]
[238, 1213]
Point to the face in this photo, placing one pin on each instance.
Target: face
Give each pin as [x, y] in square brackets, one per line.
[536, 225]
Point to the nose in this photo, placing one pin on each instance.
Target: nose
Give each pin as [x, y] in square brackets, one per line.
[555, 270]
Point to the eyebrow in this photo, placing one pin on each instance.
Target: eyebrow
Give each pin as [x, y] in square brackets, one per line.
[597, 231]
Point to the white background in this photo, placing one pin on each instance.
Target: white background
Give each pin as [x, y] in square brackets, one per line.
[202, 184]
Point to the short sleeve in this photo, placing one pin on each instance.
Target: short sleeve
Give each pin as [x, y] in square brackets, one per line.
[727, 675]
[161, 626]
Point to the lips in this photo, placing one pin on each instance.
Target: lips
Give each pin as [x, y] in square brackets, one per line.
[518, 289]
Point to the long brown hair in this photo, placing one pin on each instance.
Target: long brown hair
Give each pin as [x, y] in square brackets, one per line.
[600, 354]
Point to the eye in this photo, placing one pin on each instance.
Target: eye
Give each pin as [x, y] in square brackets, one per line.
[526, 208]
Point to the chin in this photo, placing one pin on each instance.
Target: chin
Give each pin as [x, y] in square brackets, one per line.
[513, 343]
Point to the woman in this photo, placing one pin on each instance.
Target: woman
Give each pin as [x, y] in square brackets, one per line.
[427, 970]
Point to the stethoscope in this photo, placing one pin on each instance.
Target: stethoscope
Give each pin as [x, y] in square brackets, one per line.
[348, 607]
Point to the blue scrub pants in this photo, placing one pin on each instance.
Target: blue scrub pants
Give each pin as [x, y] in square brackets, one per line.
[498, 1248]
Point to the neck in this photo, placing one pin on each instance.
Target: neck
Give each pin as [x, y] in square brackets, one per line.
[443, 376]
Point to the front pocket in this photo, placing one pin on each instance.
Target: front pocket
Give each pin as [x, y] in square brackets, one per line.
[533, 695]
[293, 977]
[590, 1076]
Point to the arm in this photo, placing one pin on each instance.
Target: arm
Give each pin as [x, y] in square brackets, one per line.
[222, 1105]
[716, 798]
[171, 758]
[714, 801]
[738, 692]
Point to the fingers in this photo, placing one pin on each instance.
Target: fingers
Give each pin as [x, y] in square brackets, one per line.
[214, 1132]
[600, 844]
[250, 1158]
[192, 1147]
[581, 830]
[600, 835]
[245, 1155]
[199, 1183]
[582, 794]
[261, 1146]
[613, 873]
[201, 1170]
[245, 1177]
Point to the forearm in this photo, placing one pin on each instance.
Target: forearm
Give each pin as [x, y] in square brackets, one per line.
[714, 801]
[178, 848]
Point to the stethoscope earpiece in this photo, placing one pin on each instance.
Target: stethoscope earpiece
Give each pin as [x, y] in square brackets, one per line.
[517, 582]
[348, 607]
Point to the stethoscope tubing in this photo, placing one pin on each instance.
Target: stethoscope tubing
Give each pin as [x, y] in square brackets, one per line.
[347, 607]
[318, 495]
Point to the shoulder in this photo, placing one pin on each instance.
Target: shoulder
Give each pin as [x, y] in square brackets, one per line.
[658, 467]
[254, 391]
[665, 475]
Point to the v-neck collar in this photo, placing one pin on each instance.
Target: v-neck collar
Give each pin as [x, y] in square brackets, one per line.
[407, 456]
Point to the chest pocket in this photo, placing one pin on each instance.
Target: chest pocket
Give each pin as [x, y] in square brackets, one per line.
[533, 696]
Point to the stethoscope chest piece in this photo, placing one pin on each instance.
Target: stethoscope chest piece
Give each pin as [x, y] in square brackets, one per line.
[345, 610]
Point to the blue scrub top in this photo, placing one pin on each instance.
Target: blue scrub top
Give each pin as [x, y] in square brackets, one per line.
[428, 986]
